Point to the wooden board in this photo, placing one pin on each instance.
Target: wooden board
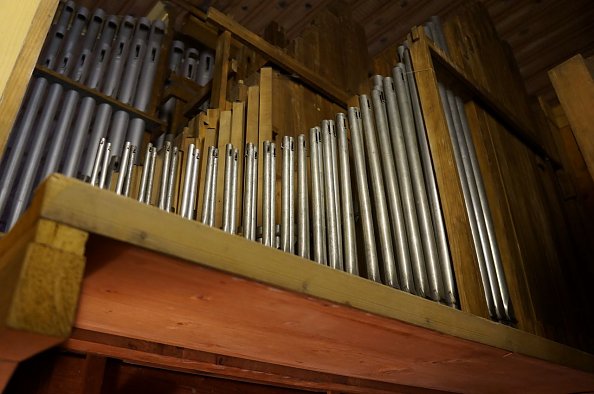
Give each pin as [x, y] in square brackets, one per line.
[23, 28]
[574, 86]
[79, 205]
[221, 67]
[278, 57]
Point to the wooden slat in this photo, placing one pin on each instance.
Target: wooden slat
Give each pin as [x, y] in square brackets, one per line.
[221, 71]
[574, 86]
[223, 138]
[23, 28]
[278, 57]
[189, 360]
[238, 141]
[505, 231]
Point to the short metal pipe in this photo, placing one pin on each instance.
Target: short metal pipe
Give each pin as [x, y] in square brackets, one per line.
[124, 166]
[145, 171]
[189, 157]
[162, 203]
[97, 164]
[316, 199]
[129, 171]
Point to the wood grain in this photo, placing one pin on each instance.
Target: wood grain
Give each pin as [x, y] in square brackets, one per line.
[574, 86]
[69, 201]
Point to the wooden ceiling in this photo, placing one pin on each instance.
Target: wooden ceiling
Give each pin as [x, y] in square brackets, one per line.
[542, 33]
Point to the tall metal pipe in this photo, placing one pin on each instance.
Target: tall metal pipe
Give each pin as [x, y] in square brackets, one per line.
[405, 183]
[330, 198]
[210, 187]
[228, 188]
[498, 265]
[493, 305]
[303, 249]
[109, 77]
[379, 198]
[287, 230]
[36, 93]
[337, 203]
[64, 65]
[144, 89]
[399, 232]
[194, 185]
[441, 240]
[71, 100]
[267, 228]
[317, 206]
[370, 250]
[418, 182]
[248, 198]
[346, 197]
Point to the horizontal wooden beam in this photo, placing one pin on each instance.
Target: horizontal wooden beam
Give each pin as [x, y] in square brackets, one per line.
[279, 58]
[152, 123]
[188, 360]
[412, 328]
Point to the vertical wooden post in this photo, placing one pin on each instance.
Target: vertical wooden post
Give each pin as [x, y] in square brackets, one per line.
[221, 71]
[93, 374]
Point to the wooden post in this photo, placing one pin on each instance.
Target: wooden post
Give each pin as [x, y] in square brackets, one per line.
[221, 71]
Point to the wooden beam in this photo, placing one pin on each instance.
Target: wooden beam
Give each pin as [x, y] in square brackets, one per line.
[79, 205]
[574, 86]
[278, 57]
[154, 354]
[218, 97]
[23, 28]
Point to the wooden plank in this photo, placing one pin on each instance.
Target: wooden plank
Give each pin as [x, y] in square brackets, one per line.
[264, 131]
[221, 71]
[505, 231]
[278, 57]
[69, 201]
[224, 137]
[189, 360]
[574, 86]
[23, 28]
[462, 250]
[238, 141]
[253, 113]
[232, 316]
[94, 370]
